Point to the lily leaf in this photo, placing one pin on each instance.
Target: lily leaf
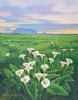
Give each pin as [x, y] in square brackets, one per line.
[32, 89]
[8, 73]
[13, 68]
[56, 89]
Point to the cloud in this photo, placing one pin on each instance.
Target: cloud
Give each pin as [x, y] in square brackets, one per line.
[62, 7]
[26, 3]
[20, 8]
[3, 23]
[65, 31]
[5, 14]
[37, 14]
[7, 27]
[20, 3]
[6, 30]
[57, 18]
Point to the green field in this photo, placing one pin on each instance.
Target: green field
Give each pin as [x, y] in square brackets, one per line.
[17, 44]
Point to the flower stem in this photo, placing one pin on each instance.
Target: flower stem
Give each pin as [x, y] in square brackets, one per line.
[46, 95]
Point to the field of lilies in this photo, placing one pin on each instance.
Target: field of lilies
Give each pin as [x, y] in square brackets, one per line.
[38, 67]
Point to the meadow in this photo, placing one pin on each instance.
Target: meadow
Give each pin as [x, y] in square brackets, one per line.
[64, 80]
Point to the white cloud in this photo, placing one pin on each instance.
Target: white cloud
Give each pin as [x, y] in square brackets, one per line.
[21, 3]
[64, 8]
[3, 30]
[5, 14]
[4, 23]
[59, 18]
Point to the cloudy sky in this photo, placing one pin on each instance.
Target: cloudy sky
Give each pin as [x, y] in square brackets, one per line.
[39, 15]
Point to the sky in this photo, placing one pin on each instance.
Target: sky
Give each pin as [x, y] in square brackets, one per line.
[43, 16]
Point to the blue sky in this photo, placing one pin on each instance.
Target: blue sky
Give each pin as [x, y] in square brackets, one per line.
[40, 15]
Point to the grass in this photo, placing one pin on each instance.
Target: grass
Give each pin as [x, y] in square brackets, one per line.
[43, 43]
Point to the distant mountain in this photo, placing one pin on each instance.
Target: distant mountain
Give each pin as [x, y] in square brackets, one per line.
[24, 31]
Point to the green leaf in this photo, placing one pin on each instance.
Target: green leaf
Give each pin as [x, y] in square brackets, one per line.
[53, 76]
[56, 89]
[62, 79]
[8, 73]
[32, 89]
[66, 87]
[13, 68]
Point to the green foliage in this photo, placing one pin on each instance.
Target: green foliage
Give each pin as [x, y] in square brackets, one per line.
[56, 89]
[13, 68]
[32, 89]
[61, 78]
[9, 74]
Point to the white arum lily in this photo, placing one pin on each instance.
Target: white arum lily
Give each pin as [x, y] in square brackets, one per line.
[7, 54]
[32, 63]
[71, 50]
[44, 67]
[45, 83]
[63, 63]
[27, 67]
[25, 79]
[35, 53]
[69, 61]
[22, 56]
[11, 45]
[51, 60]
[30, 50]
[64, 49]
[44, 75]
[19, 72]
[38, 76]
[42, 56]
[55, 54]
[52, 43]
[26, 64]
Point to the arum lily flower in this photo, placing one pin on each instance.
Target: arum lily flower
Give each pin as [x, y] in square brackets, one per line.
[42, 56]
[35, 53]
[30, 50]
[27, 67]
[22, 56]
[64, 49]
[63, 63]
[71, 50]
[44, 67]
[51, 60]
[44, 75]
[26, 64]
[11, 45]
[45, 83]
[38, 76]
[52, 43]
[55, 54]
[7, 54]
[25, 79]
[69, 61]
[19, 72]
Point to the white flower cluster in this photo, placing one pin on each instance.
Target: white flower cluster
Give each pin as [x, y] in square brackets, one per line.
[42, 75]
[22, 56]
[69, 49]
[45, 81]
[67, 62]
[28, 67]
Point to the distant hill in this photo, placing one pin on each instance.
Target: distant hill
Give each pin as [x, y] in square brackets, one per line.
[24, 31]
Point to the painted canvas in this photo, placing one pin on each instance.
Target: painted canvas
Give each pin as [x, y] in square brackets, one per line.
[38, 49]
